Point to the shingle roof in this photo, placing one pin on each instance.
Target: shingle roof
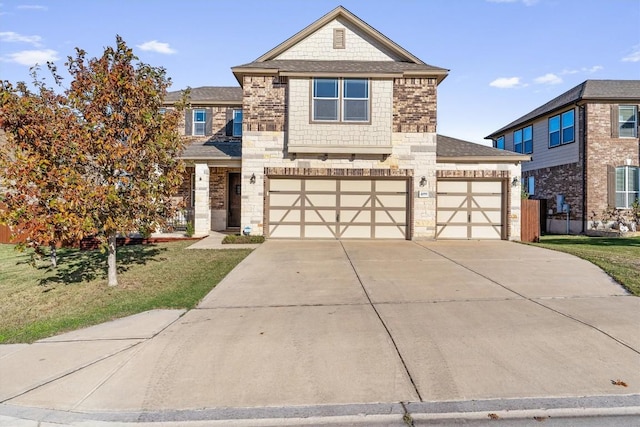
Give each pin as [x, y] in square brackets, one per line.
[610, 90]
[375, 67]
[209, 95]
[450, 149]
[212, 150]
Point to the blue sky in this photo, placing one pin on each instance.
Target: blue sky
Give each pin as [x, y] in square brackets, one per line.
[506, 56]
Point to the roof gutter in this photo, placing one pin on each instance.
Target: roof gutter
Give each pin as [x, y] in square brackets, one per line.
[483, 159]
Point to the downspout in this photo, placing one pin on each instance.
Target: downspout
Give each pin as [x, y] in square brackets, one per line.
[583, 109]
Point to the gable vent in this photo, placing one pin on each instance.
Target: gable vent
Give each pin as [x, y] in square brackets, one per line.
[338, 38]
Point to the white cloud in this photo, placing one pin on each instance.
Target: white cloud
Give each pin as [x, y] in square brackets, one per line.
[31, 7]
[506, 82]
[548, 79]
[634, 56]
[156, 46]
[593, 69]
[11, 37]
[32, 57]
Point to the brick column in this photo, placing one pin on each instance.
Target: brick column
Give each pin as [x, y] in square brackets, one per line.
[202, 211]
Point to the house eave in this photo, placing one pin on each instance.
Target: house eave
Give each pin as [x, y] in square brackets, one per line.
[483, 159]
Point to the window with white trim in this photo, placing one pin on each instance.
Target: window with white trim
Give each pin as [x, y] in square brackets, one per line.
[237, 122]
[627, 121]
[340, 100]
[627, 186]
[523, 140]
[499, 144]
[562, 129]
[199, 121]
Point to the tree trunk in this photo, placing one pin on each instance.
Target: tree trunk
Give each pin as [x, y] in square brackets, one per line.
[54, 255]
[111, 261]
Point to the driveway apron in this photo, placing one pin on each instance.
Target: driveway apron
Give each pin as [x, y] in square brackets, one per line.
[330, 323]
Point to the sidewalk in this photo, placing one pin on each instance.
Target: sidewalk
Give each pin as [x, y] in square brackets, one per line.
[214, 241]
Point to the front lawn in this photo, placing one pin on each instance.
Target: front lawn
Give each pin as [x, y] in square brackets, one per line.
[619, 257]
[39, 302]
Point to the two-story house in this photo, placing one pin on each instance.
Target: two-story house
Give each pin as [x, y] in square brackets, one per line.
[332, 134]
[585, 152]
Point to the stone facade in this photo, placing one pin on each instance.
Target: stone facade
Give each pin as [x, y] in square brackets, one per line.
[413, 154]
[305, 135]
[319, 46]
[414, 105]
[264, 108]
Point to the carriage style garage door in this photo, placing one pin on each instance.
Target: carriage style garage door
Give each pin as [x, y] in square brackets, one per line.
[470, 210]
[337, 208]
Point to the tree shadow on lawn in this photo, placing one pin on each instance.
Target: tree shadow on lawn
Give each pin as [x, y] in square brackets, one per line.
[76, 266]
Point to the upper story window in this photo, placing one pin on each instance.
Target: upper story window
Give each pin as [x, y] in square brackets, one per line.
[340, 100]
[628, 121]
[627, 186]
[237, 123]
[499, 144]
[561, 129]
[199, 121]
[523, 140]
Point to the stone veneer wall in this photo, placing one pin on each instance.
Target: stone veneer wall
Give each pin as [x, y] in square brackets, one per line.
[414, 105]
[218, 128]
[357, 136]
[603, 150]
[499, 171]
[413, 152]
[264, 107]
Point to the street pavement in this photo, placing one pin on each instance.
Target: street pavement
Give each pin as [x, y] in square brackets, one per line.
[352, 333]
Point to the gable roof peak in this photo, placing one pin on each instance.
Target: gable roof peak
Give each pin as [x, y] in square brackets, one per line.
[344, 13]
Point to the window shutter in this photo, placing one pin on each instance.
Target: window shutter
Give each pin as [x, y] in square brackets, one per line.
[208, 126]
[188, 121]
[229, 127]
[615, 131]
[611, 186]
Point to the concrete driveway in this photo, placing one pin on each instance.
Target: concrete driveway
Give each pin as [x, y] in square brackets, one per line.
[333, 324]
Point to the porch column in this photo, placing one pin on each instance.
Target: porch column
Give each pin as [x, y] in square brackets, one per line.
[202, 210]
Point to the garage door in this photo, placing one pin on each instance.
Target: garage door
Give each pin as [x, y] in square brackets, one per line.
[323, 208]
[470, 210]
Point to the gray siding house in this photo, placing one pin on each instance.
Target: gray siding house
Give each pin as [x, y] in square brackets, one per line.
[584, 148]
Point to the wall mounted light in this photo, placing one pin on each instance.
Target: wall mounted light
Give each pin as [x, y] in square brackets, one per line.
[423, 181]
[252, 180]
[515, 181]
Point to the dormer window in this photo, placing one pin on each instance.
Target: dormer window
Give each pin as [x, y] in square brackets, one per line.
[340, 100]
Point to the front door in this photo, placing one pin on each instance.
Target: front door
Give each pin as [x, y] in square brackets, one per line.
[233, 205]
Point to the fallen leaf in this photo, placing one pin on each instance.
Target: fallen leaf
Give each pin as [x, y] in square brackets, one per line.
[619, 382]
[494, 416]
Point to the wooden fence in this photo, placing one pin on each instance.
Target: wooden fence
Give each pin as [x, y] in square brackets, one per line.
[530, 223]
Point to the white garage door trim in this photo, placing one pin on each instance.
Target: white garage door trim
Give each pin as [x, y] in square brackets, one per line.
[470, 209]
[337, 208]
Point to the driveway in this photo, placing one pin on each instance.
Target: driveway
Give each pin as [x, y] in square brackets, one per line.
[306, 324]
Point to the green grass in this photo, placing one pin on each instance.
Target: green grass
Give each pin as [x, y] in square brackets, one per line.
[619, 257]
[37, 302]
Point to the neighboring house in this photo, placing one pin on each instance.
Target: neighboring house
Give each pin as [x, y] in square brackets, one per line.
[584, 147]
[338, 140]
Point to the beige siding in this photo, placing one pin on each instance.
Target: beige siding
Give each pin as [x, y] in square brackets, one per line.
[319, 46]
